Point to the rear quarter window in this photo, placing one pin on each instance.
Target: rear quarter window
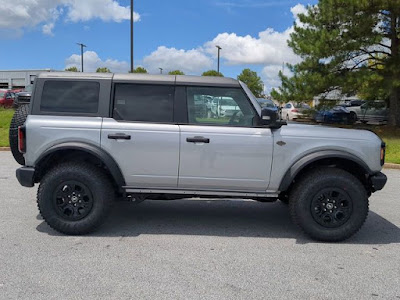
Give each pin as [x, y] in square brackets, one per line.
[70, 97]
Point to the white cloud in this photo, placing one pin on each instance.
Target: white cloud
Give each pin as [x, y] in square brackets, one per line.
[106, 10]
[48, 29]
[270, 47]
[92, 61]
[298, 9]
[21, 14]
[189, 61]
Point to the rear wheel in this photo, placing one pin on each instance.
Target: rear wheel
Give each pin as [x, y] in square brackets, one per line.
[18, 119]
[329, 204]
[74, 198]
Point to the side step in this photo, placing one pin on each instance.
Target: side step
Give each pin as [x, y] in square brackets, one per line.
[202, 193]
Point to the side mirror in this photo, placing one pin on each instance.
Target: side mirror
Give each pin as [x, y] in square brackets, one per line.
[270, 118]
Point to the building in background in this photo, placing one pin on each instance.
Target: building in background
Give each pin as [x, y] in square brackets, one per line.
[19, 79]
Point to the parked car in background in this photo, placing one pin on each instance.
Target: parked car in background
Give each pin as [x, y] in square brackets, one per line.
[6, 98]
[23, 97]
[337, 114]
[294, 111]
[374, 112]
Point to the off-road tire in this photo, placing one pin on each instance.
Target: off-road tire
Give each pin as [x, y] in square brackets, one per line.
[18, 119]
[310, 186]
[91, 177]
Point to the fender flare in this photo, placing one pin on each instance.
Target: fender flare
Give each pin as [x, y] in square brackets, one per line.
[96, 151]
[306, 160]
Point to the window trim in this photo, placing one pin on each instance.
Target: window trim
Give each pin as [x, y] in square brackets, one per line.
[98, 87]
[112, 102]
[256, 115]
[104, 100]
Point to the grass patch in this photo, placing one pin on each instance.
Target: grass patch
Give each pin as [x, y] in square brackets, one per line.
[391, 136]
[5, 119]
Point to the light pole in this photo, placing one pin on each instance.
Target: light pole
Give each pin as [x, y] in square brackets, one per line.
[219, 50]
[132, 62]
[161, 69]
[82, 46]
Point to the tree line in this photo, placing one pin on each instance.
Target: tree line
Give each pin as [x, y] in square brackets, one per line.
[249, 77]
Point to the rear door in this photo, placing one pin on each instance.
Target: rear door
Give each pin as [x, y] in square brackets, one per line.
[225, 151]
[141, 135]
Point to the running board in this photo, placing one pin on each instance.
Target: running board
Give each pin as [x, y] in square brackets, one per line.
[201, 193]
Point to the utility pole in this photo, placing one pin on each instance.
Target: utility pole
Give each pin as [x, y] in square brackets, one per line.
[82, 46]
[219, 50]
[132, 21]
[161, 69]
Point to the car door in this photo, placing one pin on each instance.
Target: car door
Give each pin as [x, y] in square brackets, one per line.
[226, 152]
[141, 135]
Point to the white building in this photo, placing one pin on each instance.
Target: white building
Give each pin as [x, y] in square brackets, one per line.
[19, 79]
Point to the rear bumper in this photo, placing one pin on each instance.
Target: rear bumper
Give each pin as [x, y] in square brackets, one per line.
[378, 181]
[25, 176]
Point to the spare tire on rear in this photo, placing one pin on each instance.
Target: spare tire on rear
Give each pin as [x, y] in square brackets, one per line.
[18, 119]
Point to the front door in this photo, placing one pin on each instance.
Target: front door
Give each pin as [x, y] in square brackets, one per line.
[224, 151]
[141, 136]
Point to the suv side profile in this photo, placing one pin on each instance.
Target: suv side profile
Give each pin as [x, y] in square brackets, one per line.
[89, 138]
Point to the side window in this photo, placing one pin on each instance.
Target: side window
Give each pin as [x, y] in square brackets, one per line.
[219, 106]
[288, 105]
[144, 103]
[70, 96]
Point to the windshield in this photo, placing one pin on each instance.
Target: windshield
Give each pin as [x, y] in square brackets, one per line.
[2, 94]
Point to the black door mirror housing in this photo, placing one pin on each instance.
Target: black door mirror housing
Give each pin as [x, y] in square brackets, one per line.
[270, 118]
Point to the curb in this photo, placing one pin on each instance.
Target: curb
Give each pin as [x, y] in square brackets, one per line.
[392, 166]
[5, 149]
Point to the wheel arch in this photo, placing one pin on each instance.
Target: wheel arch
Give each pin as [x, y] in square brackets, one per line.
[329, 158]
[81, 152]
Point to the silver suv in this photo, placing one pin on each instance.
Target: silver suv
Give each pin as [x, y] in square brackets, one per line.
[91, 138]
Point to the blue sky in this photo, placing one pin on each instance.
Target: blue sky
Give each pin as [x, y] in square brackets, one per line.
[173, 34]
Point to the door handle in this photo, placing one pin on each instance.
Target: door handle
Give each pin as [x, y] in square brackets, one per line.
[198, 139]
[119, 136]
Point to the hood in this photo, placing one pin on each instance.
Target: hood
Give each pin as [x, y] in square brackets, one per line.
[324, 132]
[26, 94]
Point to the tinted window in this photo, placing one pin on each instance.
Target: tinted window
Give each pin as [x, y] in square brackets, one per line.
[219, 106]
[70, 96]
[144, 103]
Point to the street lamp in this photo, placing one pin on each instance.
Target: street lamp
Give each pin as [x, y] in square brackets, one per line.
[132, 63]
[219, 50]
[161, 69]
[82, 46]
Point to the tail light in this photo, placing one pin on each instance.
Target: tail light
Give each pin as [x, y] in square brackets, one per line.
[383, 153]
[295, 110]
[21, 139]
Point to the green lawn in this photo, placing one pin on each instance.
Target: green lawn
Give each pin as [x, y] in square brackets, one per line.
[5, 119]
[389, 134]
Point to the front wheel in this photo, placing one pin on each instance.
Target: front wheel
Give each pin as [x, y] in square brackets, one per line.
[329, 204]
[74, 198]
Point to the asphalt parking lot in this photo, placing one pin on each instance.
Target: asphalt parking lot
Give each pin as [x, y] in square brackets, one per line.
[194, 250]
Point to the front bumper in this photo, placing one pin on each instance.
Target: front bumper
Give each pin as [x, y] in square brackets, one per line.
[378, 181]
[26, 176]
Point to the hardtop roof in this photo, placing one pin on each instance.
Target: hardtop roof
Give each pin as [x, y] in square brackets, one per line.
[147, 78]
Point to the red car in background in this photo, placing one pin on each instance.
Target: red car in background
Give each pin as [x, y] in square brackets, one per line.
[6, 98]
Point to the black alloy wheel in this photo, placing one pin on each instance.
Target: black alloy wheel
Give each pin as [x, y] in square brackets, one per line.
[331, 207]
[73, 200]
